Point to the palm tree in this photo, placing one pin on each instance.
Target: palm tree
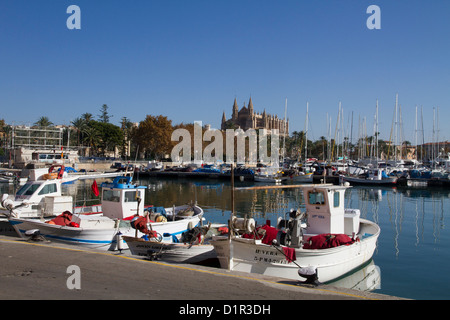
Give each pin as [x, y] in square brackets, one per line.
[91, 136]
[43, 122]
[79, 124]
[127, 127]
[87, 117]
[324, 143]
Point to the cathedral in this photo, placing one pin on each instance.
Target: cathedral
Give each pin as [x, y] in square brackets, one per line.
[247, 118]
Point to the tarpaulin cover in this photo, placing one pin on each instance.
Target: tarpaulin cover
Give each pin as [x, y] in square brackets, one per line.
[327, 240]
[265, 233]
[63, 219]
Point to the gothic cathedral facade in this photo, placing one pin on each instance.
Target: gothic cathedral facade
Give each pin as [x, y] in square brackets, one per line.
[247, 118]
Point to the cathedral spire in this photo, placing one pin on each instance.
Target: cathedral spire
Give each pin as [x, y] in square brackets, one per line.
[250, 106]
[235, 110]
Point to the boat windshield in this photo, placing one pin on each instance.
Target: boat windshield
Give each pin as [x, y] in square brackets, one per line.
[27, 189]
[316, 197]
[111, 195]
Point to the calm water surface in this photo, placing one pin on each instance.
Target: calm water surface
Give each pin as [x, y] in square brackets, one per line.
[413, 248]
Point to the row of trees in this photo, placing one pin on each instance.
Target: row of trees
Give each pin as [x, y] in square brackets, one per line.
[151, 138]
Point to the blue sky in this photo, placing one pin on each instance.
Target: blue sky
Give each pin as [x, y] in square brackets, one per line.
[189, 60]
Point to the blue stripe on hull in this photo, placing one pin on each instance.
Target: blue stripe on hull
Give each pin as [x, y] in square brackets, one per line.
[76, 240]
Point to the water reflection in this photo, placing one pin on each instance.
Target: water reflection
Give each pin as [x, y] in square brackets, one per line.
[366, 278]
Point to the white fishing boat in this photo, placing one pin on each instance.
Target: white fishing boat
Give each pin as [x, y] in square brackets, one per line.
[371, 177]
[321, 244]
[193, 247]
[300, 177]
[8, 177]
[170, 251]
[268, 175]
[40, 196]
[123, 214]
[267, 178]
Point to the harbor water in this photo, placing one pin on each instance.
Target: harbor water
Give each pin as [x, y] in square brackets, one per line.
[413, 248]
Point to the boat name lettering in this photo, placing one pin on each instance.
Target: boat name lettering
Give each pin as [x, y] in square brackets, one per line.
[150, 247]
[270, 260]
[266, 252]
[262, 255]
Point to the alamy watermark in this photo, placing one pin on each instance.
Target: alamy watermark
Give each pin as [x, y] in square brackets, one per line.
[374, 21]
[74, 280]
[74, 20]
[223, 149]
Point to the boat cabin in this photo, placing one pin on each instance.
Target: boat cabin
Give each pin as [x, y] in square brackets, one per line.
[37, 189]
[41, 194]
[376, 174]
[326, 213]
[122, 199]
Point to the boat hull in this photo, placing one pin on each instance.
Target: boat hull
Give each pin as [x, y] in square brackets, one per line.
[248, 255]
[91, 238]
[170, 252]
[104, 231]
[267, 179]
[301, 178]
[377, 182]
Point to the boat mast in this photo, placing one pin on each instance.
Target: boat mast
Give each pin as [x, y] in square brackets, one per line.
[336, 132]
[376, 133]
[306, 132]
[438, 152]
[433, 145]
[423, 134]
[284, 131]
[396, 128]
[415, 138]
[351, 137]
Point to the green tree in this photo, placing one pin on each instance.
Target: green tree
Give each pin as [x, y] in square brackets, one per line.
[153, 136]
[79, 125]
[127, 128]
[108, 136]
[91, 138]
[43, 122]
[104, 115]
[87, 117]
[5, 133]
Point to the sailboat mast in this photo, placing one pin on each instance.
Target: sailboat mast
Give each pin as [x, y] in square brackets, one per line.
[423, 133]
[306, 132]
[396, 128]
[434, 140]
[351, 135]
[284, 131]
[415, 135]
[376, 133]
